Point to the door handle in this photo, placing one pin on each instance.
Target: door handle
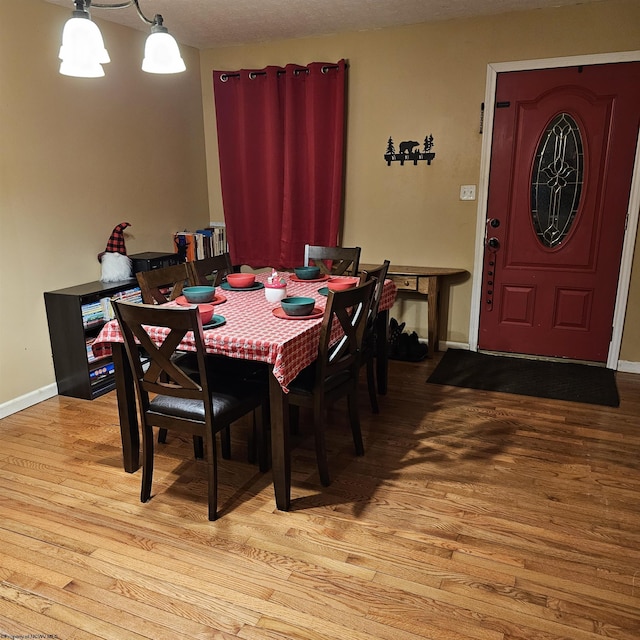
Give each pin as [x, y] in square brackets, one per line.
[493, 243]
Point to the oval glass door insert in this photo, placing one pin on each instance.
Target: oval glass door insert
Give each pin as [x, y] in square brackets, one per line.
[556, 180]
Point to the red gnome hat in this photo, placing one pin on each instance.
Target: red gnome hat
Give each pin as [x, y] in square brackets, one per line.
[116, 241]
[116, 265]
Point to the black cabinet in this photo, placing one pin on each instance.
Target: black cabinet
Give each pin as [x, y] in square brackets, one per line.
[75, 316]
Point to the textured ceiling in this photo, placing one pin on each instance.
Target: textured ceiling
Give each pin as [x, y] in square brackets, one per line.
[207, 24]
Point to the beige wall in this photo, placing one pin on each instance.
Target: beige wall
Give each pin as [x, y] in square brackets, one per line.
[79, 156]
[408, 82]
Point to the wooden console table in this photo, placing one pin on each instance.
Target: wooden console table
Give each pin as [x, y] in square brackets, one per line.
[424, 281]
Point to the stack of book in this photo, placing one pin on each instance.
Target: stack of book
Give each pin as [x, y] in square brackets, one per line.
[92, 314]
[203, 243]
[102, 372]
[90, 355]
[100, 311]
[130, 295]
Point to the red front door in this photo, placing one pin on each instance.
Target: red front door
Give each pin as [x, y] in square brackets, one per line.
[561, 165]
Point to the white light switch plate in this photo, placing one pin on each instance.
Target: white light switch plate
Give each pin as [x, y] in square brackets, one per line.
[468, 192]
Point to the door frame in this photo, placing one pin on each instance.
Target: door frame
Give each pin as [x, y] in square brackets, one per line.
[622, 294]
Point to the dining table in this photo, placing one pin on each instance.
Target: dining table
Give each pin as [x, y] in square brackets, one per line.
[252, 328]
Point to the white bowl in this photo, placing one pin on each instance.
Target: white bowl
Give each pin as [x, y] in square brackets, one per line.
[275, 294]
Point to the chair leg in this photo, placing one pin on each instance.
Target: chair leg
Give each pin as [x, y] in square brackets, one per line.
[147, 463]
[260, 430]
[252, 443]
[354, 418]
[321, 448]
[198, 447]
[294, 419]
[212, 477]
[225, 441]
[258, 444]
[371, 384]
[162, 435]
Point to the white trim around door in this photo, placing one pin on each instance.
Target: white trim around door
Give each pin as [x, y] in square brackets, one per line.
[493, 69]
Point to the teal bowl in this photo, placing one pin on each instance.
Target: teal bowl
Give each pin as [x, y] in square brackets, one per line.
[298, 305]
[307, 273]
[198, 295]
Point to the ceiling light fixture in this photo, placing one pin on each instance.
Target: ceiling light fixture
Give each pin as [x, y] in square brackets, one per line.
[83, 53]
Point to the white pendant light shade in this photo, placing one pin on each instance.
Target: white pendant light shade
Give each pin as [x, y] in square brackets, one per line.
[162, 55]
[82, 52]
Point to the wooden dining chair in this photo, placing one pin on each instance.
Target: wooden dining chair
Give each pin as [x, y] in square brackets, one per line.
[158, 286]
[210, 271]
[199, 405]
[335, 372]
[370, 340]
[335, 261]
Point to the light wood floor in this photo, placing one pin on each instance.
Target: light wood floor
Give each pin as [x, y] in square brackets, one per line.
[472, 515]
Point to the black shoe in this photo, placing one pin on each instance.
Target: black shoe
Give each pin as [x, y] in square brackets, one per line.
[416, 350]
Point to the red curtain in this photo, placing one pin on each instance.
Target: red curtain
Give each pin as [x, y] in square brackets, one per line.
[281, 151]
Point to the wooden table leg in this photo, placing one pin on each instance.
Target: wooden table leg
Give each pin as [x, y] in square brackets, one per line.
[382, 354]
[433, 289]
[129, 433]
[280, 445]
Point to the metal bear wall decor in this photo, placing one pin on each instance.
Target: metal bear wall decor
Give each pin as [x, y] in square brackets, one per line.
[409, 150]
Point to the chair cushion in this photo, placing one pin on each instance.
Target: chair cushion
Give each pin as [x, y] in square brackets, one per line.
[178, 407]
[225, 398]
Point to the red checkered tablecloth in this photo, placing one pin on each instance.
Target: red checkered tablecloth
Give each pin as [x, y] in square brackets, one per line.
[252, 332]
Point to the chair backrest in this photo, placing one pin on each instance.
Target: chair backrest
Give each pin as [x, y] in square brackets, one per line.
[163, 374]
[379, 274]
[333, 260]
[210, 271]
[158, 286]
[349, 308]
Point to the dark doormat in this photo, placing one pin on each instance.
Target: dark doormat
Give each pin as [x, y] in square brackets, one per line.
[540, 378]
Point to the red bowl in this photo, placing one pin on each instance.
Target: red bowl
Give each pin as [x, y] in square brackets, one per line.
[340, 283]
[241, 280]
[206, 312]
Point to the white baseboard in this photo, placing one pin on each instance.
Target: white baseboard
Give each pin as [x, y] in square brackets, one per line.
[627, 366]
[28, 400]
[446, 344]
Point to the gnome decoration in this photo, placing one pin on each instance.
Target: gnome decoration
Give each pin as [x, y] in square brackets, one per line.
[116, 265]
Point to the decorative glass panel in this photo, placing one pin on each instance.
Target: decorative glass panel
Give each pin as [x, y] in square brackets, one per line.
[556, 181]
